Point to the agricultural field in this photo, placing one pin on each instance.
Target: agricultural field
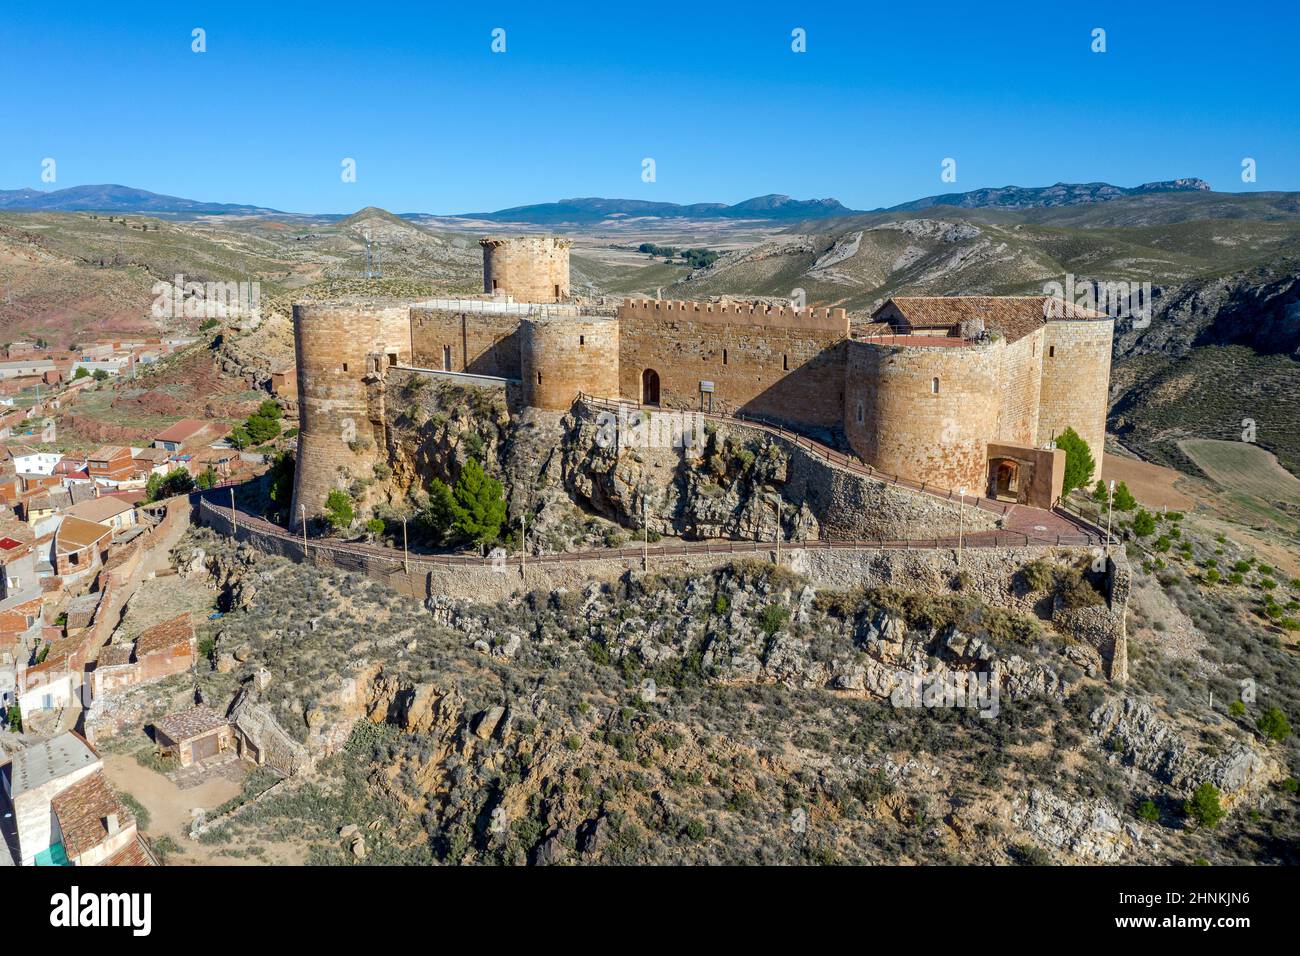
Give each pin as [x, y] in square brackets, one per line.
[1251, 479]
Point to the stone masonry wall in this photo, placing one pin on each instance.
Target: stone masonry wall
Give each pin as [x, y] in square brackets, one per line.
[899, 423]
[1076, 377]
[783, 364]
[561, 357]
[1021, 372]
[476, 342]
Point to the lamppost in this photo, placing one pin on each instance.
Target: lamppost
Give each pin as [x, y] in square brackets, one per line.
[1110, 510]
[961, 521]
[777, 503]
[523, 543]
[406, 554]
[302, 509]
[645, 536]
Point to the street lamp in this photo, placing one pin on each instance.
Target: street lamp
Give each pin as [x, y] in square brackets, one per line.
[777, 503]
[1110, 510]
[302, 509]
[961, 521]
[406, 554]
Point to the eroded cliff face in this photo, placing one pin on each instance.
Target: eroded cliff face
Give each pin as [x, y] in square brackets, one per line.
[585, 483]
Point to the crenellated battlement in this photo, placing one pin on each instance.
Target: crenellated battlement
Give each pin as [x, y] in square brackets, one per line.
[729, 313]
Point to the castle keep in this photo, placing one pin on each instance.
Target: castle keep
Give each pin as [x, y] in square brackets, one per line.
[957, 392]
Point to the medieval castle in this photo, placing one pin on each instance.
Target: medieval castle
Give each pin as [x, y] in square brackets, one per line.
[964, 392]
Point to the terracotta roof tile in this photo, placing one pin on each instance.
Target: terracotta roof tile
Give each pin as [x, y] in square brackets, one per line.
[167, 634]
[76, 533]
[133, 854]
[81, 810]
[190, 723]
[1015, 316]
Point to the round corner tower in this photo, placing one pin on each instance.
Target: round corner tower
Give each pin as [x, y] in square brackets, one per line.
[528, 268]
[342, 351]
[925, 413]
[562, 356]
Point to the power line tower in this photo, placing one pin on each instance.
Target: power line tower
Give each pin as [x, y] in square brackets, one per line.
[374, 259]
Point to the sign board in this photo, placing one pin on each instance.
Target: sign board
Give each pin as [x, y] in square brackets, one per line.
[706, 386]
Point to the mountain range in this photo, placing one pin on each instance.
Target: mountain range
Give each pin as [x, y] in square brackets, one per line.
[590, 210]
[118, 199]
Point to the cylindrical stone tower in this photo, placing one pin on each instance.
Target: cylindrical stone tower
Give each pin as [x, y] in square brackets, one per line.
[925, 412]
[342, 351]
[528, 268]
[561, 357]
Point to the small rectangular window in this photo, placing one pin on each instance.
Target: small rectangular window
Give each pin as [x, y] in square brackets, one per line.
[785, 362]
[539, 378]
[934, 386]
[345, 366]
[1051, 351]
[724, 356]
[582, 340]
[861, 415]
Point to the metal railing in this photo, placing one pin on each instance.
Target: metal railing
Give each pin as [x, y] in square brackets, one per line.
[361, 556]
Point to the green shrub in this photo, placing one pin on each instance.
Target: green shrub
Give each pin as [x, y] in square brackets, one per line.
[1124, 500]
[1204, 807]
[338, 509]
[1144, 524]
[1148, 811]
[1237, 708]
[772, 618]
[1274, 725]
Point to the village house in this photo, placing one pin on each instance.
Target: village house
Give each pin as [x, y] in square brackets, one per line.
[65, 812]
[186, 435]
[193, 735]
[160, 651]
[111, 464]
[80, 546]
[116, 513]
[152, 461]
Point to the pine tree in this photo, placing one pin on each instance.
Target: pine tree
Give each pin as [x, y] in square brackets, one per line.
[479, 504]
[1079, 463]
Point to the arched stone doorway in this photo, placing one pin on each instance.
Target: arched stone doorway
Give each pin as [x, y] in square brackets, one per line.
[649, 387]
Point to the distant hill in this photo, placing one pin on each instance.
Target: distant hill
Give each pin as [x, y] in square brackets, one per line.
[593, 209]
[1061, 194]
[118, 199]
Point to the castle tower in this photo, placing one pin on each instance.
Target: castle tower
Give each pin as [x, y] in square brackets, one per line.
[925, 412]
[343, 350]
[562, 356]
[528, 268]
[1076, 379]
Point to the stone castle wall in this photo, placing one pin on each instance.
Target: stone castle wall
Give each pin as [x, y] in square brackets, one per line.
[1021, 373]
[479, 342]
[339, 346]
[926, 413]
[1075, 381]
[784, 364]
[529, 268]
[561, 357]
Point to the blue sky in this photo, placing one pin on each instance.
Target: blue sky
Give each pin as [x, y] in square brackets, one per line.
[584, 92]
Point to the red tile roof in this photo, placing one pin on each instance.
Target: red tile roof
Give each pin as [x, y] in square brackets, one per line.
[82, 809]
[178, 630]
